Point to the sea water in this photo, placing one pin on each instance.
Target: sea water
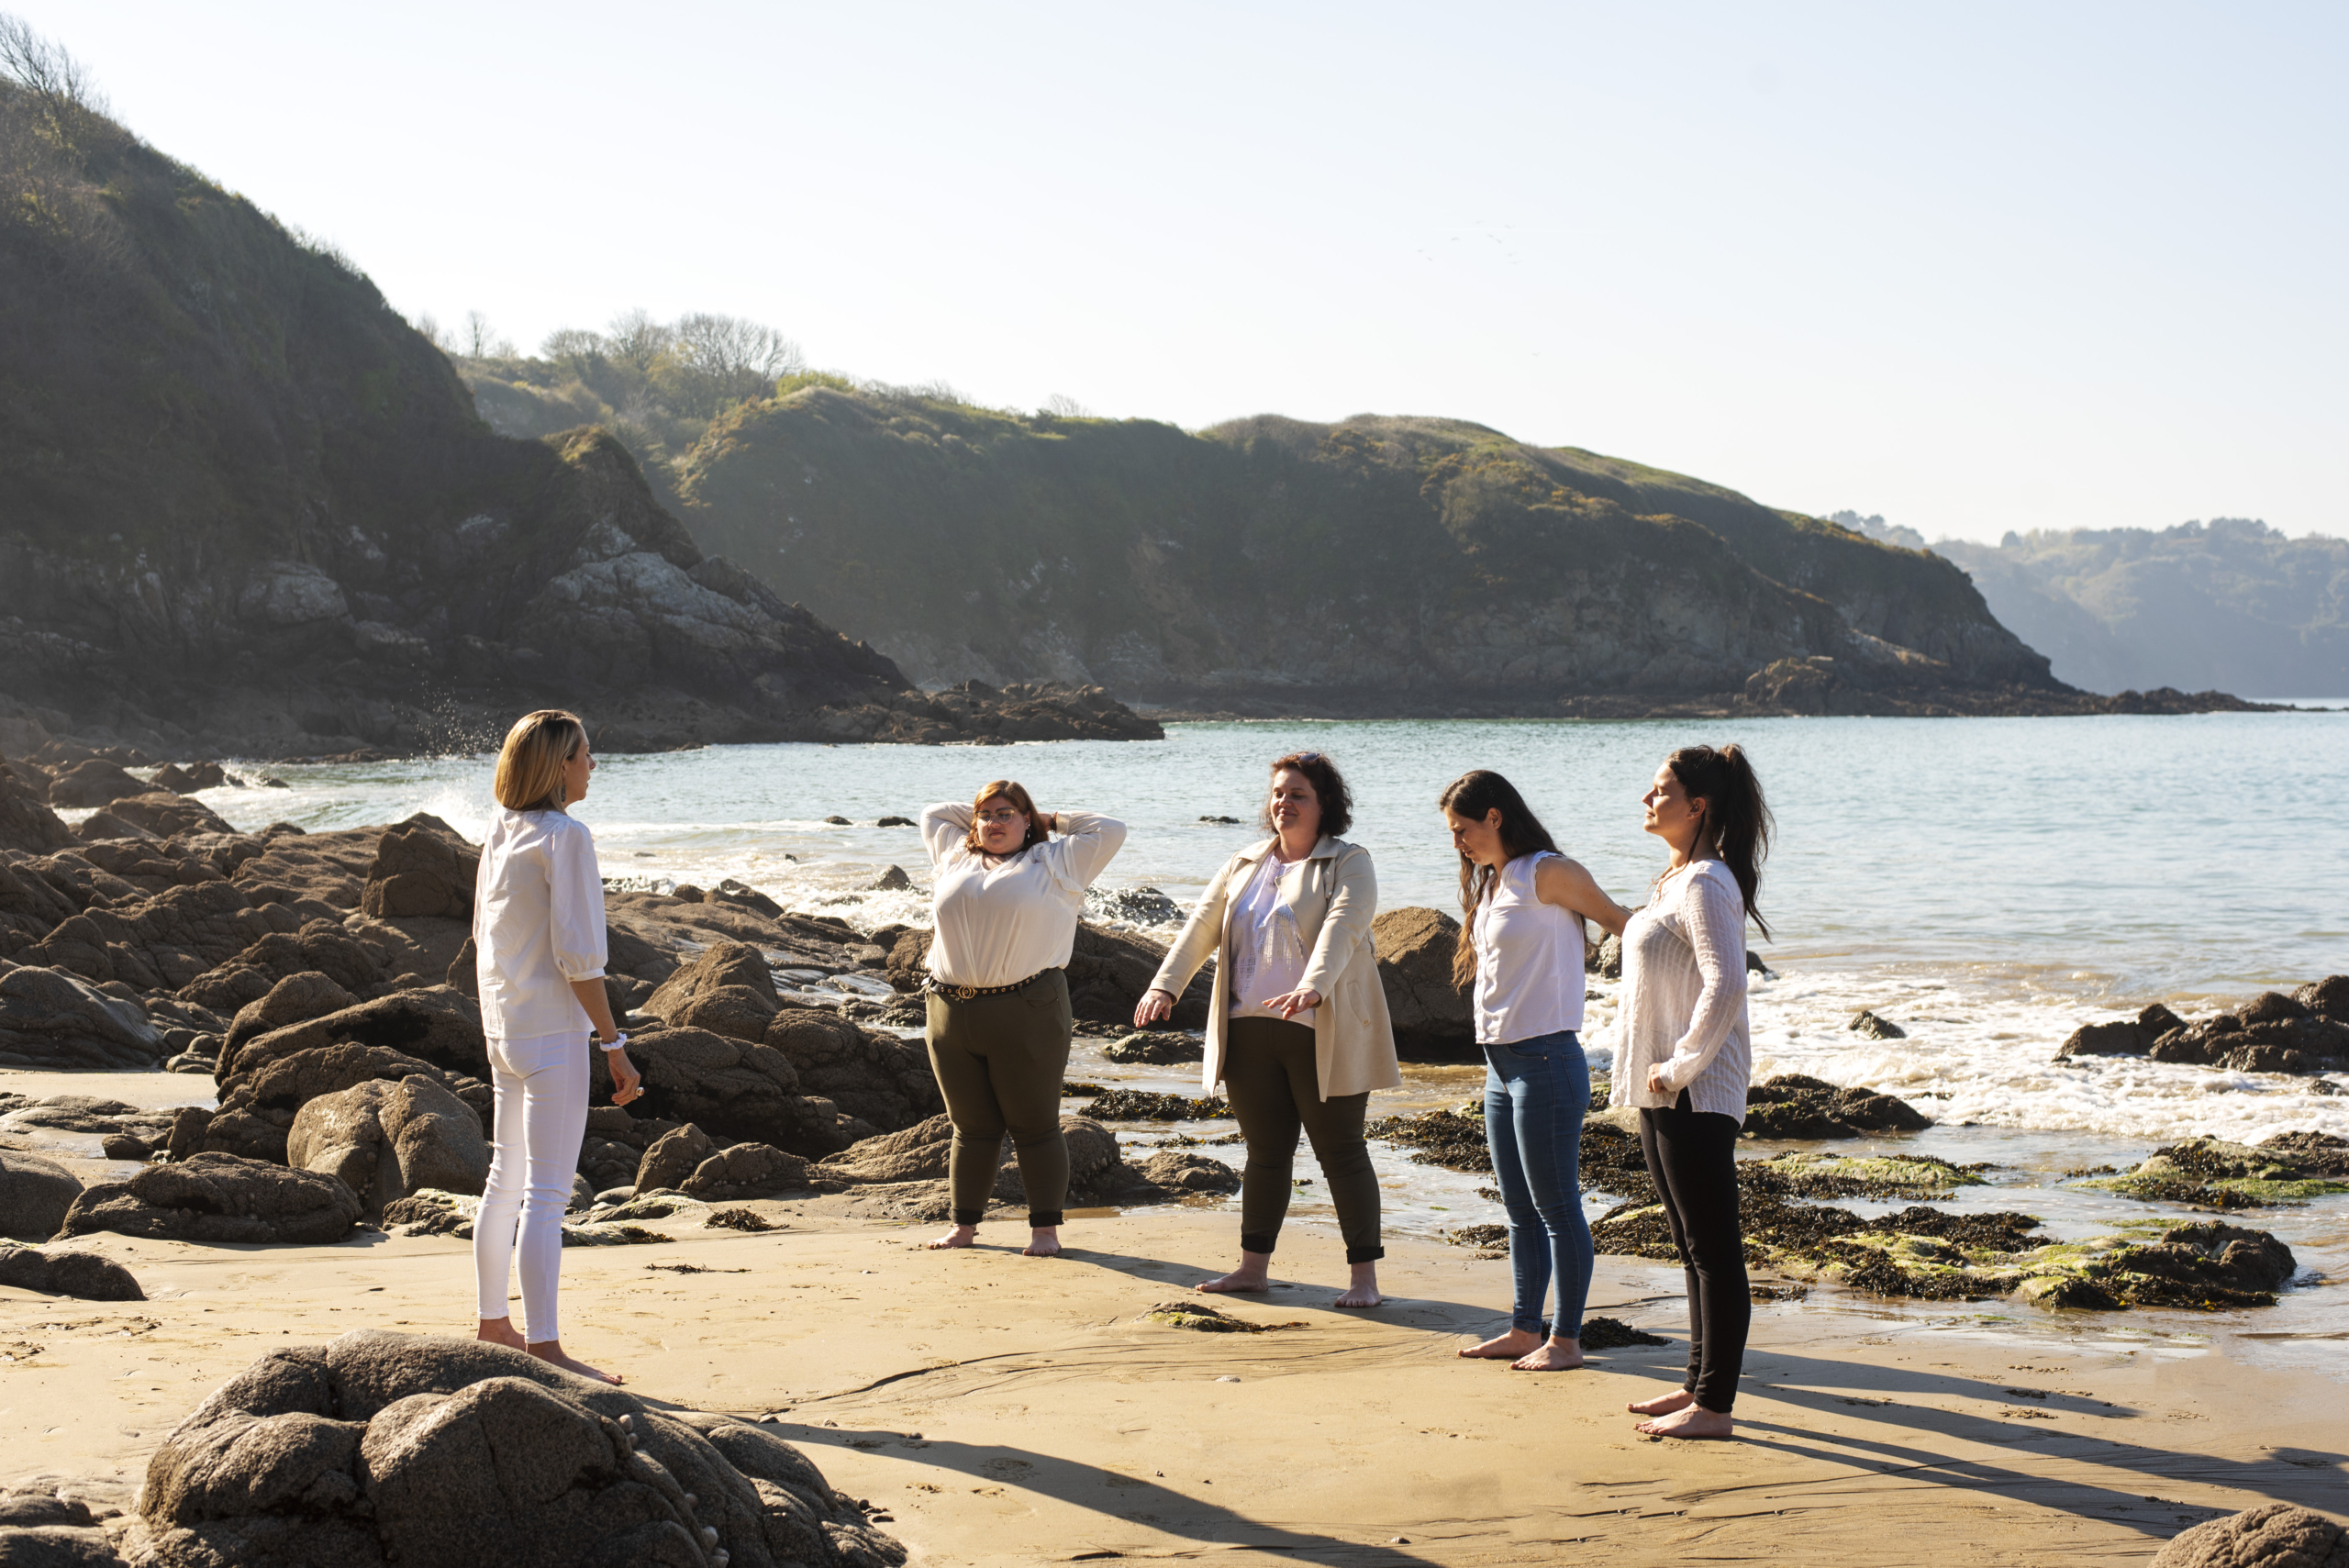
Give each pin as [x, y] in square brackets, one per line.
[1989, 884]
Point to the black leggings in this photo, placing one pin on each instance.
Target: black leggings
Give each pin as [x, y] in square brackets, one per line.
[1692, 1155]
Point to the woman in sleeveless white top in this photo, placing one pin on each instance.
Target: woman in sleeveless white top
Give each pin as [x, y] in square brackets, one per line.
[1523, 906]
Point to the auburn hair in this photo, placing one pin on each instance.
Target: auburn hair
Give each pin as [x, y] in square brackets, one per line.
[1018, 797]
[529, 765]
[1328, 788]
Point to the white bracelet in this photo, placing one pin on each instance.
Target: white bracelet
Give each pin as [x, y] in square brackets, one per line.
[620, 1041]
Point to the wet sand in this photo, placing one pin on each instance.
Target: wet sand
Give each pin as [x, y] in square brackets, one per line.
[1009, 1410]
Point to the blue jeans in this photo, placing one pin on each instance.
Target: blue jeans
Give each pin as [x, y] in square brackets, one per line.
[1536, 1093]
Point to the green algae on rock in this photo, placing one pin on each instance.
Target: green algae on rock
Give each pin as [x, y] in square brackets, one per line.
[1198, 1317]
[2290, 1167]
[1876, 1175]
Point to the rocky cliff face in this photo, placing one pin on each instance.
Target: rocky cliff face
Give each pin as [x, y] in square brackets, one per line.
[1380, 565]
[243, 505]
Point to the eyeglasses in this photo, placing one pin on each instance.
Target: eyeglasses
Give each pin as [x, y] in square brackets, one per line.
[1310, 756]
[997, 819]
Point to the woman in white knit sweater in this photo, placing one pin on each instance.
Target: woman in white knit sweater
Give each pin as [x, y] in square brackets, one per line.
[1683, 1053]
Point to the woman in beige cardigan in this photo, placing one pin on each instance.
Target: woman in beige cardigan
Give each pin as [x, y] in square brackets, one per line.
[1297, 1033]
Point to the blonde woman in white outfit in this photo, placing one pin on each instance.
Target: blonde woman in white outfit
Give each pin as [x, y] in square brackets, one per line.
[539, 935]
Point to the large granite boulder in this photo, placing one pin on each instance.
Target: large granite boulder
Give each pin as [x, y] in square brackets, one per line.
[217, 1198]
[2328, 997]
[30, 904]
[305, 868]
[916, 1154]
[160, 944]
[53, 1018]
[1795, 1106]
[169, 816]
[438, 1023]
[35, 1195]
[672, 1157]
[296, 999]
[25, 821]
[1182, 1172]
[260, 1103]
[723, 965]
[317, 946]
[737, 1012]
[1431, 1015]
[91, 782]
[2123, 1037]
[422, 866]
[2273, 1535]
[385, 1139]
[83, 1276]
[747, 1171]
[742, 1090]
[875, 1077]
[379, 1449]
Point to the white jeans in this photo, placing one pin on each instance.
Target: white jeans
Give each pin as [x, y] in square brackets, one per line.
[541, 1097]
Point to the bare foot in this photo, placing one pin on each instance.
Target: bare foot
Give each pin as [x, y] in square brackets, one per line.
[1554, 1355]
[551, 1351]
[1043, 1241]
[1663, 1404]
[1363, 1292]
[500, 1331]
[1693, 1422]
[961, 1235]
[1506, 1348]
[1249, 1276]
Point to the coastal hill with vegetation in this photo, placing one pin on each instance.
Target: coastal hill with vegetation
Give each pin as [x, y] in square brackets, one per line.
[244, 505]
[2231, 603]
[1379, 565]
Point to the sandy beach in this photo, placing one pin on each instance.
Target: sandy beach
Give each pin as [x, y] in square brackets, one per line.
[1006, 1410]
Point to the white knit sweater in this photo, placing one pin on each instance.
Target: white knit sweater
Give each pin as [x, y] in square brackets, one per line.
[1683, 999]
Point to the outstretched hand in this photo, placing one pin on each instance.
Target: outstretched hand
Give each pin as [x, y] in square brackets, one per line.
[1155, 1006]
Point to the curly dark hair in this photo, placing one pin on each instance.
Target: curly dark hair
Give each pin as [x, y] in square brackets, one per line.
[1328, 788]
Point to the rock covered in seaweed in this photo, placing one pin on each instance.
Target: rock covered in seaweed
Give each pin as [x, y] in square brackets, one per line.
[2287, 1167]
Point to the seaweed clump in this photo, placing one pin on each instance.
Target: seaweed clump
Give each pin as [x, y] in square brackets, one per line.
[1139, 1105]
[2290, 1167]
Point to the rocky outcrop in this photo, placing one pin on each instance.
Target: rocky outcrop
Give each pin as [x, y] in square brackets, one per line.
[26, 824]
[35, 1195]
[875, 1077]
[1155, 1047]
[2273, 1535]
[437, 1023]
[747, 1171]
[218, 1197]
[52, 1018]
[1431, 1014]
[2305, 1031]
[422, 866]
[84, 1275]
[296, 999]
[385, 1139]
[258, 1104]
[742, 1090]
[169, 816]
[1792, 1105]
[380, 1447]
[673, 1157]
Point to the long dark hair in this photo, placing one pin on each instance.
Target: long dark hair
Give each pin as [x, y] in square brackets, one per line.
[1328, 787]
[1736, 818]
[1471, 795]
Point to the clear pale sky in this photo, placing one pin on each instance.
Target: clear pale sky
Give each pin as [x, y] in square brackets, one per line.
[1974, 267]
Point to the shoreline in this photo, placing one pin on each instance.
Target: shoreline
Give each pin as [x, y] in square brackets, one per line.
[1009, 1410]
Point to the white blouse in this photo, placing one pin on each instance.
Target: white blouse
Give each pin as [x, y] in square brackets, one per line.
[537, 924]
[1267, 951]
[1000, 924]
[1683, 998]
[1529, 959]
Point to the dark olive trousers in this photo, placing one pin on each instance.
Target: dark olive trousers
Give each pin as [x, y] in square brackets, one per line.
[1275, 1087]
[1000, 1062]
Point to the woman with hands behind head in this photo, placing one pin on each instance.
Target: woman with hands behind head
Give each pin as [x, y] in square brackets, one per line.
[1297, 1031]
[1523, 906]
[1684, 1053]
[539, 947]
[1005, 905]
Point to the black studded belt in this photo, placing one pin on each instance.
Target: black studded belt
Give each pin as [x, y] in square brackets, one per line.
[937, 988]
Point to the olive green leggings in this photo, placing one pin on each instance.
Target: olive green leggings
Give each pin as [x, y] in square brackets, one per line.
[1275, 1083]
[1000, 1062]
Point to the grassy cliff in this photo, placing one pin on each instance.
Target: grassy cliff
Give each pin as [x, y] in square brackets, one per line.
[1377, 564]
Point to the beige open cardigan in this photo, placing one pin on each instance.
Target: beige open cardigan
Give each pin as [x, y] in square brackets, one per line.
[1335, 892]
